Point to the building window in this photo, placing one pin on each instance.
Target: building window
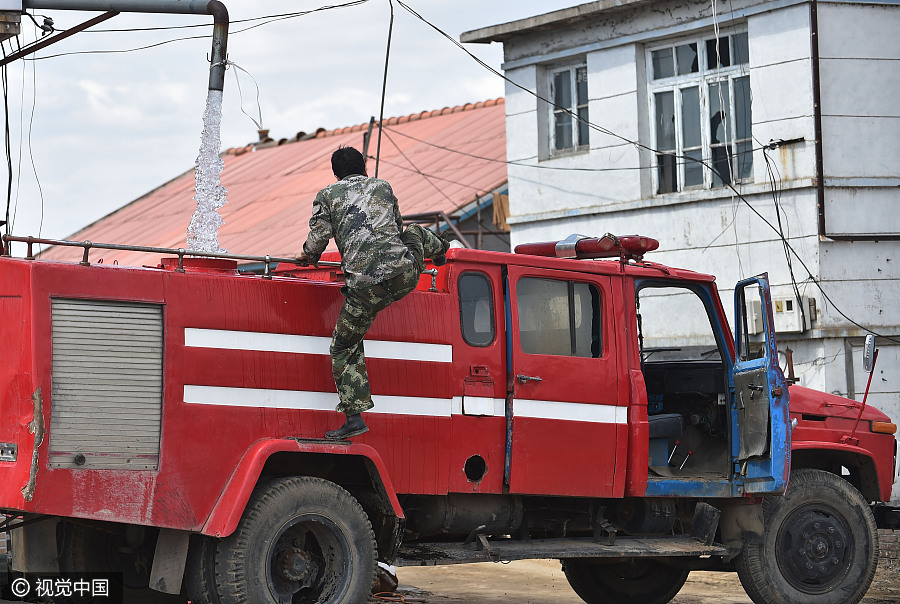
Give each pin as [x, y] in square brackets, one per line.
[560, 318]
[700, 96]
[569, 92]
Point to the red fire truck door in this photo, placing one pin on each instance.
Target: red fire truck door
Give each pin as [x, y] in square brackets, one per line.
[565, 416]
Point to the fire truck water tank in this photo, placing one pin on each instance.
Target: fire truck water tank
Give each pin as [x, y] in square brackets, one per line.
[458, 514]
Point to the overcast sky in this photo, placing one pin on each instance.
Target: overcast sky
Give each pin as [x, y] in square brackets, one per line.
[106, 128]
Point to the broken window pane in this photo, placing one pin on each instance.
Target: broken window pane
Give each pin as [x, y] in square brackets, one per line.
[687, 58]
[718, 112]
[717, 56]
[663, 64]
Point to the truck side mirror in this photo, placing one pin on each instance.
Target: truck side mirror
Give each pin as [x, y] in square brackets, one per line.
[869, 354]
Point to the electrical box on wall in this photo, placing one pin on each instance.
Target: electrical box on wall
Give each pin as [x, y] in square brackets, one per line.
[788, 315]
[788, 318]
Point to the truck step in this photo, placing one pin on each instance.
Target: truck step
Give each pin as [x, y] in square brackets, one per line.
[485, 550]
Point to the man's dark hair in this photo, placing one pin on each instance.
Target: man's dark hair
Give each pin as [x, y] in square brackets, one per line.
[346, 161]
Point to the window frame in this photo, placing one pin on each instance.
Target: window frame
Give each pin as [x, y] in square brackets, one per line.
[493, 318]
[703, 80]
[573, 328]
[575, 108]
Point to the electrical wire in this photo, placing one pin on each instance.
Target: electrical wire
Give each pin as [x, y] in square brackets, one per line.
[387, 60]
[411, 163]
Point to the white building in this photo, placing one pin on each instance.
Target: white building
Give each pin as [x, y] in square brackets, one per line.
[792, 102]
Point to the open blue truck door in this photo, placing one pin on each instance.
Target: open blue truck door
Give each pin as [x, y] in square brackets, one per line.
[759, 401]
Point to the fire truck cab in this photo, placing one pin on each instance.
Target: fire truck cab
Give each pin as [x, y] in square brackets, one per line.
[543, 404]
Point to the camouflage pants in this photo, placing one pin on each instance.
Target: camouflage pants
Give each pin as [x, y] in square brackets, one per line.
[361, 306]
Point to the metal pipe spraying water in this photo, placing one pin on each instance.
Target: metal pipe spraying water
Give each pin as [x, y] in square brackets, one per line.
[176, 7]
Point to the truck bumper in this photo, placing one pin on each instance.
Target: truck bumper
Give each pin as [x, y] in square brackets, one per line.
[887, 516]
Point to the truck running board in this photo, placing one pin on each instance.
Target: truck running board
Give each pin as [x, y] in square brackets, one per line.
[484, 550]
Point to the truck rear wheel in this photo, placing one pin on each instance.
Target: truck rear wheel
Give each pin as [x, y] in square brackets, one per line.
[299, 540]
[635, 580]
[820, 545]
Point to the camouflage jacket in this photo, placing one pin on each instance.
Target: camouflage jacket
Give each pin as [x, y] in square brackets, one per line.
[362, 215]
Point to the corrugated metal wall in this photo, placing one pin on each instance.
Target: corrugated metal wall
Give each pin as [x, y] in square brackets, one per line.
[107, 384]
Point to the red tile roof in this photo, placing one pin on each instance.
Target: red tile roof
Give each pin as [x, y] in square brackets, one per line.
[271, 188]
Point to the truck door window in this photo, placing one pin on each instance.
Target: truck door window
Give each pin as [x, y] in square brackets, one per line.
[675, 326]
[559, 318]
[476, 309]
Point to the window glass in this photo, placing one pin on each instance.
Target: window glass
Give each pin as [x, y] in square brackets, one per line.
[665, 141]
[476, 309]
[562, 89]
[701, 106]
[663, 65]
[560, 318]
[687, 58]
[718, 56]
[569, 90]
[692, 141]
[741, 48]
[690, 337]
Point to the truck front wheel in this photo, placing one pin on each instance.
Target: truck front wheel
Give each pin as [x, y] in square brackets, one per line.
[299, 540]
[820, 545]
[635, 580]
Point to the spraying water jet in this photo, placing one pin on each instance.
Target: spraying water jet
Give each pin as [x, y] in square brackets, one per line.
[210, 194]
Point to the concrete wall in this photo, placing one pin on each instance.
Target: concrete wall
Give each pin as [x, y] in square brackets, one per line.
[860, 74]
[609, 189]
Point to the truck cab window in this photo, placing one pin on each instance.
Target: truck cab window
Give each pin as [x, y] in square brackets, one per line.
[559, 317]
[476, 309]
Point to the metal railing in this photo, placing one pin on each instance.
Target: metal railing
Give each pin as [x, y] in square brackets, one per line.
[87, 246]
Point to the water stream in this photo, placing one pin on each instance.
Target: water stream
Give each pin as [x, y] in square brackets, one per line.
[203, 232]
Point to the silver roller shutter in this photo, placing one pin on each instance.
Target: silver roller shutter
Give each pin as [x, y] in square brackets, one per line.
[107, 384]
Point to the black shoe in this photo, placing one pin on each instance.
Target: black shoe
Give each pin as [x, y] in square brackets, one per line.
[354, 426]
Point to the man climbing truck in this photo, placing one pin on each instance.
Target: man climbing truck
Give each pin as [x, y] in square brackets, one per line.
[168, 421]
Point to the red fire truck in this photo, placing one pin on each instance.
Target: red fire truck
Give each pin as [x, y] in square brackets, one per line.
[166, 423]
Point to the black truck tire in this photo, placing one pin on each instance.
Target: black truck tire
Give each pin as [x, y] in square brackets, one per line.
[820, 544]
[300, 540]
[636, 580]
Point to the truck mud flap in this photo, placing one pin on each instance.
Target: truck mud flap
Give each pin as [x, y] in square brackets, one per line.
[487, 550]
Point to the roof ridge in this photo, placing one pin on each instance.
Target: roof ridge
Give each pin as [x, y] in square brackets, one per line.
[391, 121]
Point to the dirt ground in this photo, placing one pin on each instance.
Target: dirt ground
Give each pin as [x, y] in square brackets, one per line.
[543, 582]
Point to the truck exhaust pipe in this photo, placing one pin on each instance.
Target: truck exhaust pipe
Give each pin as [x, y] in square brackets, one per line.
[215, 8]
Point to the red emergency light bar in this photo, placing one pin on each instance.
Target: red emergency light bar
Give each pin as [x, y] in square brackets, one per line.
[626, 247]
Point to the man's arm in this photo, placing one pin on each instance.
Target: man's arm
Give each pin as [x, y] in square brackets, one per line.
[320, 230]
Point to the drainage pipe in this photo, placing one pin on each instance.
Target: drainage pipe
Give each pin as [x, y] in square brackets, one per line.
[176, 7]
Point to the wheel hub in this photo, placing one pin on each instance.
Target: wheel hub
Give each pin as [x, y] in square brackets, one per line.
[815, 548]
[294, 564]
